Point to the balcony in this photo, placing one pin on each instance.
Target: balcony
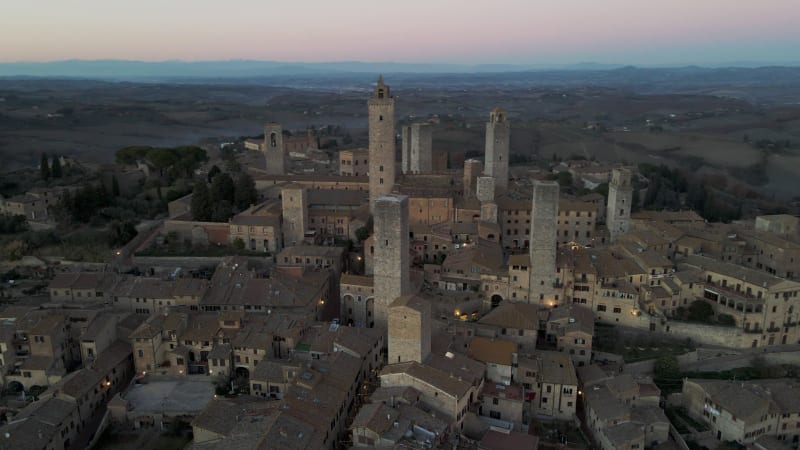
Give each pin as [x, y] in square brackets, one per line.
[773, 330]
[753, 330]
[790, 324]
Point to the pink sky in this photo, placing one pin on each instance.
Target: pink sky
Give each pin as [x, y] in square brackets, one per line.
[458, 31]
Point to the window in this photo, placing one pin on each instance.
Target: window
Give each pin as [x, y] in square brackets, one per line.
[141, 353]
[601, 307]
[495, 401]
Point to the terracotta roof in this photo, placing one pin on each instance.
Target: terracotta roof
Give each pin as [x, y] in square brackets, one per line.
[488, 350]
[514, 315]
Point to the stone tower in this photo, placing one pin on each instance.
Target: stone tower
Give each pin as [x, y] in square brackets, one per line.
[473, 168]
[409, 333]
[498, 134]
[484, 191]
[620, 196]
[294, 200]
[273, 149]
[381, 143]
[417, 148]
[391, 260]
[544, 218]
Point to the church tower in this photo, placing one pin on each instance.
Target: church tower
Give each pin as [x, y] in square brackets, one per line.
[498, 135]
[273, 149]
[381, 143]
[620, 196]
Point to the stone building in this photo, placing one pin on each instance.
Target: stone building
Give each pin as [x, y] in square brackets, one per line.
[258, 227]
[354, 163]
[357, 300]
[295, 214]
[382, 162]
[274, 152]
[498, 135]
[391, 253]
[417, 148]
[746, 411]
[409, 329]
[473, 168]
[620, 197]
[544, 216]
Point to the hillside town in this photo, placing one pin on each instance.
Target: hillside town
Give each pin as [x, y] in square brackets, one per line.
[287, 299]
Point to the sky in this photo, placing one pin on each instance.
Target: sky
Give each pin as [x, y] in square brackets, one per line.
[443, 31]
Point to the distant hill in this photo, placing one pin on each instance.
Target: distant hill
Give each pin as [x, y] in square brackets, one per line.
[137, 70]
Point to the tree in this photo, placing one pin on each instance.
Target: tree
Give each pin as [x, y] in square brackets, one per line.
[222, 189]
[55, 167]
[362, 234]
[666, 368]
[121, 233]
[238, 244]
[44, 167]
[700, 311]
[214, 171]
[114, 186]
[222, 211]
[245, 193]
[201, 206]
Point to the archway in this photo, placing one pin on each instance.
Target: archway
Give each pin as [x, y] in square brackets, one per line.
[496, 299]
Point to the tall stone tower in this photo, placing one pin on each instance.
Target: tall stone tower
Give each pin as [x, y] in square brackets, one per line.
[417, 148]
[620, 196]
[544, 218]
[273, 149]
[498, 135]
[409, 333]
[485, 194]
[381, 143]
[391, 260]
[294, 202]
[473, 168]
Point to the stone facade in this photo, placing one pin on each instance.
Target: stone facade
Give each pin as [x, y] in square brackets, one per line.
[498, 134]
[417, 148]
[295, 204]
[391, 257]
[409, 330]
[472, 170]
[485, 189]
[354, 163]
[382, 163]
[273, 149]
[620, 195]
[544, 214]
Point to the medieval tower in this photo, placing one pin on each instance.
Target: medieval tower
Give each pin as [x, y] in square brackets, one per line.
[409, 332]
[498, 134]
[544, 218]
[381, 143]
[273, 149]
[391, 259]
[473, 168]
[620, 196]
[294, 200]
[417, 147]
